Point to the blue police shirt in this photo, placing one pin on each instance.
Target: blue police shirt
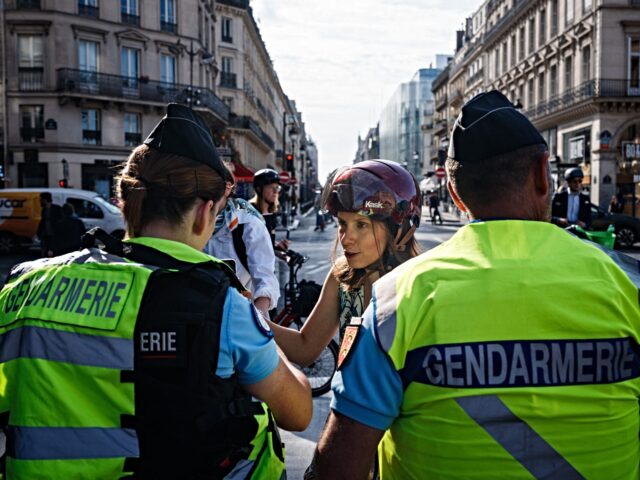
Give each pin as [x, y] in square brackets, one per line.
[243, 347]
[368, 388]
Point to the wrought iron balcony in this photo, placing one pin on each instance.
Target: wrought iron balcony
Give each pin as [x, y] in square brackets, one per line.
[228, 80]
[82, 83]
[28, 4]
[130, 19]
[32, 134]
[170, 27]
[235, 3]
[30, 79]
[132, 139]
[92, 137]
[589, 90]
[249, 123]
[88, 10]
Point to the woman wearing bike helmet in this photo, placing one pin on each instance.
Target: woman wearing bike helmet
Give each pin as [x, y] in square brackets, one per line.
[377, 205]
[266, 184]
[160, 379]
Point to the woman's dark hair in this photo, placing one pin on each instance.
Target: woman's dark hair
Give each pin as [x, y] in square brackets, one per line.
[162, 186]
[352, 278]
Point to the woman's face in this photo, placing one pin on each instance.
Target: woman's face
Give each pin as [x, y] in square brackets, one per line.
[362, 240]
[270, 192]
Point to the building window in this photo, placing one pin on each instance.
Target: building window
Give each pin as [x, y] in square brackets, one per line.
[521, 50]
[553, 81]
[513, 50]
[168, 16]
[167, 68]
[227, 75]
[30, 62]
[88, 8]
[129, 12]
[129, 61]
[132, 129]
[531, 100]
[586, 63]
[554, 18]
[32, 123]
[505, 65]
[532, 36]
[227, 34]
[88, 54]
[586, 5]
[496, 62]
[28, 4]
[540, 87]
[91, 134]
[200, 20]
[568, 11]
[568, 73]
[634, 63]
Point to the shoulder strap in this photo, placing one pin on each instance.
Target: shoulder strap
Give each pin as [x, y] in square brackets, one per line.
[240, 247]
[151, 256]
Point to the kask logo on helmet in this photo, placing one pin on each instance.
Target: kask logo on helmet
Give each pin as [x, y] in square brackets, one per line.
[370, 204]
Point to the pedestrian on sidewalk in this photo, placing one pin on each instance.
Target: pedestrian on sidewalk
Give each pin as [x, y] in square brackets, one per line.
[495, 354]
[68, 231]
[434, 204]
[144, 360]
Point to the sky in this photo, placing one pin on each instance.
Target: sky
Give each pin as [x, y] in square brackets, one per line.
[341, 60]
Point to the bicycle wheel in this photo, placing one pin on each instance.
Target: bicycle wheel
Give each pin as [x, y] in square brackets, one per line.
[321, 371]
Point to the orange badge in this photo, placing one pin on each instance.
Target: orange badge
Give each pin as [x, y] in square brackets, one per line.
[350, 335]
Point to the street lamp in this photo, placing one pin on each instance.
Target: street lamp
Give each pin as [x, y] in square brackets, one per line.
[416, 161]
[206, 58]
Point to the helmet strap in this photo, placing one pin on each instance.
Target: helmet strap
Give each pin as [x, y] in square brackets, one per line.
[400, 242]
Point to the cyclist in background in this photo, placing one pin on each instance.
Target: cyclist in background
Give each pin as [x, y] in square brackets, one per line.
[377, 203]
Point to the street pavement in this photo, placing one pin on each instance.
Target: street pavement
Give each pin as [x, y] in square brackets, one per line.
[317, 246]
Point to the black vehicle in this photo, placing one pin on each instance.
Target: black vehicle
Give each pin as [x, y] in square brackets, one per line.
[627, 227]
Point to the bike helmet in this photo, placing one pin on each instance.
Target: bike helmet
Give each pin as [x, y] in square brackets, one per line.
[575, 172]
[264, 177]
[379, 189]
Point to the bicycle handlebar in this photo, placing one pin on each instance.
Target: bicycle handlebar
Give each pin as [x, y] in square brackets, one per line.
[293, 258]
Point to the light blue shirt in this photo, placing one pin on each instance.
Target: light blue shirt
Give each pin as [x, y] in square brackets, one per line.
[368, 388]
[573, 207]
[244, 349]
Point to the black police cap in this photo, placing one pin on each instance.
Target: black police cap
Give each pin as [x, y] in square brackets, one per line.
[489, 125]
[183, 132]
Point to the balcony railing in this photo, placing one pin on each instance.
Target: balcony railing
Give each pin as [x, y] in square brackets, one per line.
[591, 89]
[132, 139]
[91, 137]
[170, 27]
[30, 79]
[228, 80]
[31, 134]
[475, 77]
[249, 123]
[235, 3]
[227, 38]
[79, 82]
[28, 4]
[130, 19]
[88, 10]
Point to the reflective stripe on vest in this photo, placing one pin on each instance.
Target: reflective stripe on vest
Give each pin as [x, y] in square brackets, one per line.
[65, 443]
[69, 347]
[518, 438]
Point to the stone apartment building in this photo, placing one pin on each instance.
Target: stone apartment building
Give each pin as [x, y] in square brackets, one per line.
[87, 80]
[573, 66]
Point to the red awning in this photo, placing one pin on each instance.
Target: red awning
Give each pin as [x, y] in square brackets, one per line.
[240, 172]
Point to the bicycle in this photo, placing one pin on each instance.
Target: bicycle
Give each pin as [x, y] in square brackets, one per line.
[295, 311]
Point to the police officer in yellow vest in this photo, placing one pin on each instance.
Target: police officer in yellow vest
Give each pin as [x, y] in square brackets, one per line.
[143, 359]
[509, 351]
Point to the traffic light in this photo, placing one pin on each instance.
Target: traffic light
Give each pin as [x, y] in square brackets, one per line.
[63, 183]
[289, 162]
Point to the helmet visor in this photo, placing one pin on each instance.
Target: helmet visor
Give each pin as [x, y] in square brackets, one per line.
[362, 192]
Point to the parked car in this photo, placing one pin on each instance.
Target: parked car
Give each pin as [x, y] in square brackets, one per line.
[20, 213]
[627, 227]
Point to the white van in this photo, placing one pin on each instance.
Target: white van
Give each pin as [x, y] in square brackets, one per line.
[20, 213]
